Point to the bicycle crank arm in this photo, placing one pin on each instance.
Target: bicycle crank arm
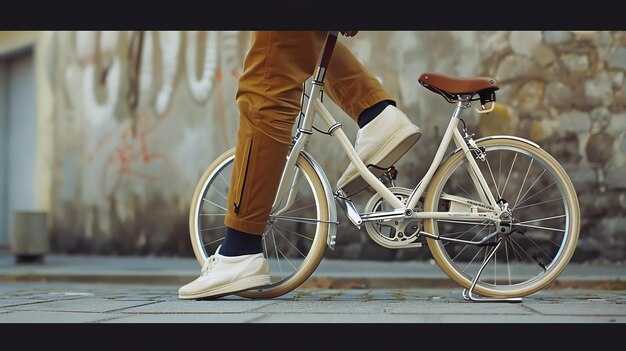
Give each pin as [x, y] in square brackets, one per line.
[375, 216]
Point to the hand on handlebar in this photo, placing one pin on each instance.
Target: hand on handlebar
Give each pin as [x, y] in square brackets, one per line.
[349, 33]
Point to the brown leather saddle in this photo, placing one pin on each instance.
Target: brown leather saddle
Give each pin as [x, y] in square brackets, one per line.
[452, 88]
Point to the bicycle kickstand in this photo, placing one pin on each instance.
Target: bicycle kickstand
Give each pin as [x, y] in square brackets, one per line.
[468, 294]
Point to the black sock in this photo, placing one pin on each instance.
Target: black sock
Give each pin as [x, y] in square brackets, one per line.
[371, 112]
[239, 243]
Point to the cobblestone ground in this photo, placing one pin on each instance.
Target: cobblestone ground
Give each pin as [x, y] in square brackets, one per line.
[116, 303]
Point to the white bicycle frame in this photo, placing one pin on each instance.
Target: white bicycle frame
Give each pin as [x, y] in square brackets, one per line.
[400, 210]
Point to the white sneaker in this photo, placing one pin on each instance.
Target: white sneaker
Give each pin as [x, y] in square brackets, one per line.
[380, 143]
[224, 275]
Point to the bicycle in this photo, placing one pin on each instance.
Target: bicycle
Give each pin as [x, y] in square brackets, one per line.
[520, 226]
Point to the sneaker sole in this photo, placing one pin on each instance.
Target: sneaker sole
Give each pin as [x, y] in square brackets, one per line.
[384, 160]
[234, 287]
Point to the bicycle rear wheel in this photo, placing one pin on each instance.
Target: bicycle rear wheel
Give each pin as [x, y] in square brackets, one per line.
[294, 242]
[546, 219]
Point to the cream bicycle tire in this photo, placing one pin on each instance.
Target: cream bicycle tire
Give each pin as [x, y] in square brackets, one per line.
[303, 267]
[526, 283]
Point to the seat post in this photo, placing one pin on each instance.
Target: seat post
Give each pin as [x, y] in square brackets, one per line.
[329, 46]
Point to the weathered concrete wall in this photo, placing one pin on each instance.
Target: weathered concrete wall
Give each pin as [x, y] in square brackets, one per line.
[134, 130]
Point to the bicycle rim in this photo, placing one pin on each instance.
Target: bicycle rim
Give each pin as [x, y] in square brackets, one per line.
[546, 220]
[294, 242]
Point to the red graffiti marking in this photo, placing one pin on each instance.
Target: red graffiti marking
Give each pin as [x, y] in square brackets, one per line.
[131, 158]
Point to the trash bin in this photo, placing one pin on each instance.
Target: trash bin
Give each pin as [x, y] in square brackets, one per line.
[30, 236]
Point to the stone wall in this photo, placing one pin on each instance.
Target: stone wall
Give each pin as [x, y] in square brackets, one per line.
[134, 129]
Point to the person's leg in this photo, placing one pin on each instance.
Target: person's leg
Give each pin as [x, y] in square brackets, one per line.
[385, 132]
[268, 99]
[351, 86]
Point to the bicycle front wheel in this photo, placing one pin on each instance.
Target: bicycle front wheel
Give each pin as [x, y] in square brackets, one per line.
[542, 236]
[294, 242]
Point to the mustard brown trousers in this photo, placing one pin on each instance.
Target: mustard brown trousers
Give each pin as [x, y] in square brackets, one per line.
[268, 98]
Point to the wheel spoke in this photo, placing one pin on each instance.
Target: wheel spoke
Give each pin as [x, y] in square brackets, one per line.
[513, 243]
[493, 179]
[547, 239]
[224, 180]
[213, 228]
[542, 219]
[296, 182]
[473, 258]
[506, 255]
[300, 208]
[214, 204]
[292, 232]
[499, 168]
[539, 227]
[509, 175]
[462, 189]
[538, 247]
[212, 186]
[516, 252]
[289, 242]
[523, 182]
[466, 246]
[529, 188]
[536, 204]
[280, 266]
[535, 194]
[214, 241]
[447, 235]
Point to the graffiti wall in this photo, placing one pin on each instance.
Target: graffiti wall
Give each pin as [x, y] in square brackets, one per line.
[138, 116]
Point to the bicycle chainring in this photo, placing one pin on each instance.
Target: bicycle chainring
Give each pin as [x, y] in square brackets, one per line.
[394, 233]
